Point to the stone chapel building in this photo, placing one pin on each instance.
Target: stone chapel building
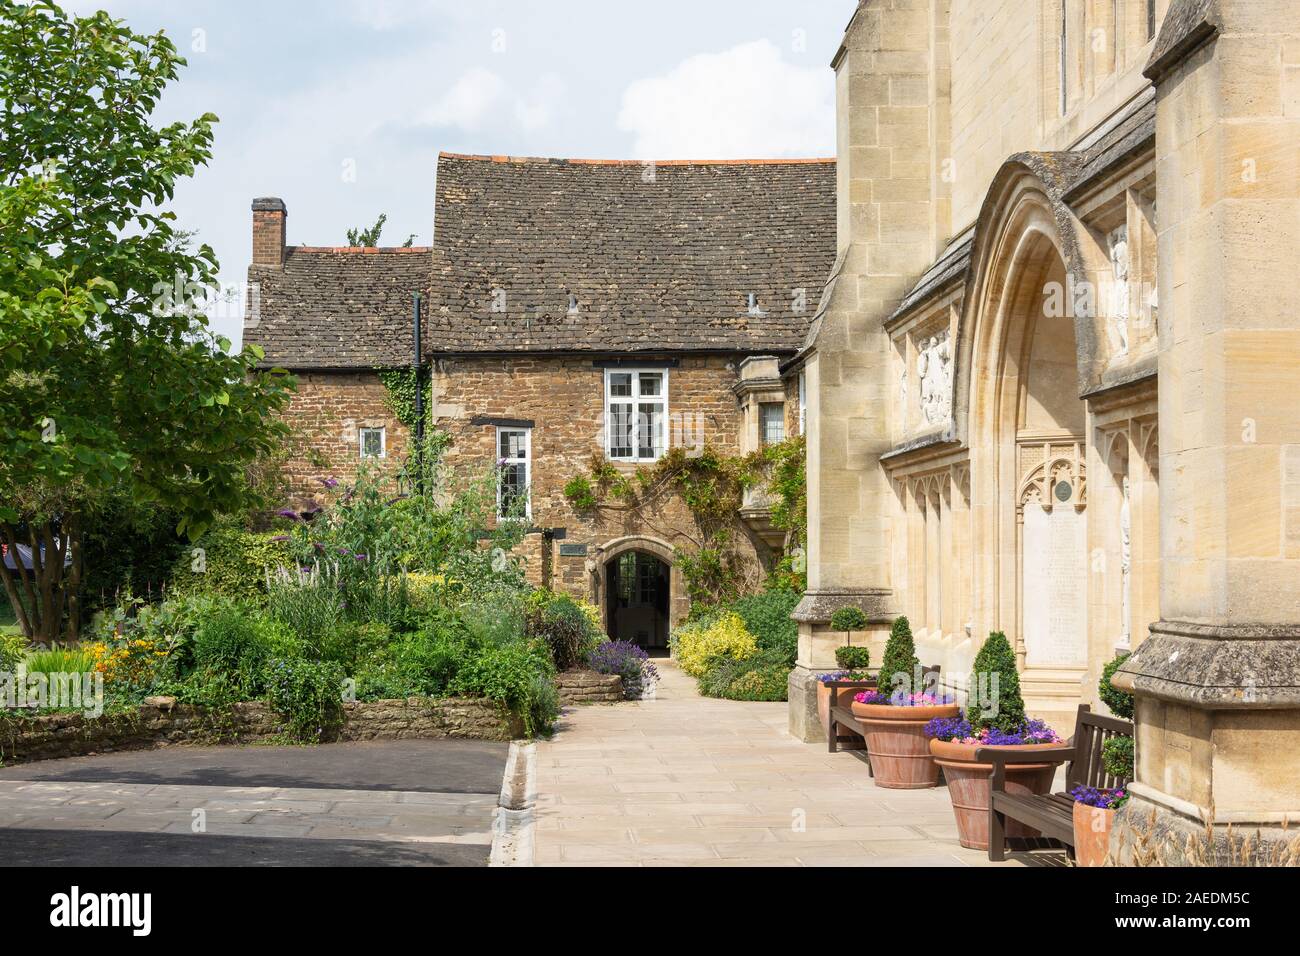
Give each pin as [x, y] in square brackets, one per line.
[1053, 385]
[569, 308]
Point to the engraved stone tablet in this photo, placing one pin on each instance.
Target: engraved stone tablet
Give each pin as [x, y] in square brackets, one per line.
[1055, 585]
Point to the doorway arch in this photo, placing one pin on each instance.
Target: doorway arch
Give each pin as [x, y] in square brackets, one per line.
[637, 586]
[1028, 350]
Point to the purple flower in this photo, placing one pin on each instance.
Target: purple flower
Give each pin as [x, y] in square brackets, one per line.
[280, 538]
[361, 557]
[871, 697]
[1103, 799]
[344, 551]
[288, 513]
[329, 482]
[949, 728]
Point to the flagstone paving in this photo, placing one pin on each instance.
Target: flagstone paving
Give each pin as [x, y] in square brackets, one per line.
[687, 780]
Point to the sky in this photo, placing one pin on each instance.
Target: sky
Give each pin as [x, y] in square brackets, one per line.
[340, 107]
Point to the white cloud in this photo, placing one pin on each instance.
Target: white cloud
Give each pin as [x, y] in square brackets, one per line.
[470, 101]
[743, 103]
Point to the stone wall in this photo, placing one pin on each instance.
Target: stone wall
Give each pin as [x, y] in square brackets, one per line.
[588, 687]
[327, 413]
[163, 723]
[563, 398]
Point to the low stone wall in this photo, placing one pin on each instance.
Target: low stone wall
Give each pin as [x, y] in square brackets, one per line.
[588, 687]
[418, 718]
[162, 723]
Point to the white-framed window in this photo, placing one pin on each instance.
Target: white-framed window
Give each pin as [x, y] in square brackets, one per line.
[771, 422]
[514, 472]
[636, 413]
[803, 404]
[374, 443]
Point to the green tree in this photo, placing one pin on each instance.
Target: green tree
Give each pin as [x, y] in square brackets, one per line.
[899, 665]
[110, 381]
[367, 238]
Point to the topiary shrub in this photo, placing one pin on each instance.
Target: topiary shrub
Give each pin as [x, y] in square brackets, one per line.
[995, 700]
[1120, 702]
[899, 665]
[1117, 757]
[853, 658]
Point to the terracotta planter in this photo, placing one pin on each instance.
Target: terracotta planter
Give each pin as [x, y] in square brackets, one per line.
[968, 787]
[896, 743]
[1091, 834]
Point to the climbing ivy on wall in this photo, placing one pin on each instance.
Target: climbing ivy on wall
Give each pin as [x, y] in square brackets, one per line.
[712, 486]
[402, 388]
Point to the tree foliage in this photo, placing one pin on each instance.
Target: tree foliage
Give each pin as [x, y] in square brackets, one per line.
[996, 680]
[110, 381]
[899, 665]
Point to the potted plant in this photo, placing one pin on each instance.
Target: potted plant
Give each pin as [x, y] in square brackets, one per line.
[895, 714]
[853, 661]
[1094, 815]
[1119, 701]
[995, 717]
[848, 620]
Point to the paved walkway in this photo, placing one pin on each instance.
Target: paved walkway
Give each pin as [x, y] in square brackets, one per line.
[410, 803]
[685, 780]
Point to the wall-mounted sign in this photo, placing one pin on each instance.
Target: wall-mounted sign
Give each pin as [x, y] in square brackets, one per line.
[573, 550]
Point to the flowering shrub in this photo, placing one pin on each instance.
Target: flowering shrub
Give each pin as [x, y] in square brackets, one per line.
[1102, 799]
[629, 662]
[958, 730]
[699, 645]
[130, 661]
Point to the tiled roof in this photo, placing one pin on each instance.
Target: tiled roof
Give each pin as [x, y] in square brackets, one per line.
[658, 257]
[336, 308]
[663, 262]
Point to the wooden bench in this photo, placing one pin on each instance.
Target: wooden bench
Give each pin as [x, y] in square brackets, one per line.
[1052, 814]
[842, 717]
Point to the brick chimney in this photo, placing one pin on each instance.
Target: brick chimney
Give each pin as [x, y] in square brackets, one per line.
[269, 218]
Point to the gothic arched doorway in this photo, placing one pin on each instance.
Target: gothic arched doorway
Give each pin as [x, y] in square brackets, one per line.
[637, 596]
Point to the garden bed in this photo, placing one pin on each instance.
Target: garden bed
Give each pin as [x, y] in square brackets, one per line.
[162, 722]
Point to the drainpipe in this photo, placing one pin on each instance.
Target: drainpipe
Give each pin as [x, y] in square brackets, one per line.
[418, 365]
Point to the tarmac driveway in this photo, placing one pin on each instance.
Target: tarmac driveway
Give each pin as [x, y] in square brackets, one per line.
[381, 803]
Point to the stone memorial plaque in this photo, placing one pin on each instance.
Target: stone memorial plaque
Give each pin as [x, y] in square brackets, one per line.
[1055, 568]
[573, 550]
